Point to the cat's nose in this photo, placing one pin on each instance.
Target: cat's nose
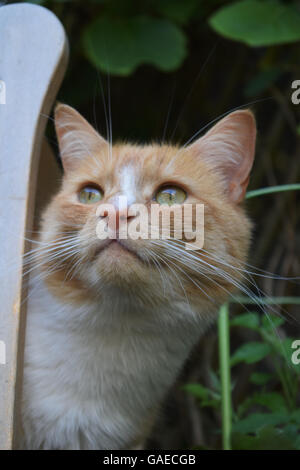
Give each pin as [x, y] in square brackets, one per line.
[120, 219]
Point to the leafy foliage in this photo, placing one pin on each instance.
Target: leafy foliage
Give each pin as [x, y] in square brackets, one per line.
[268, 437]
[258, 23]
[120, 45]
[265, 415]
[250, 352]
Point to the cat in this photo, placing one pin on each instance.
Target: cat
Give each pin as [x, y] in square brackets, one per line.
[112, 322]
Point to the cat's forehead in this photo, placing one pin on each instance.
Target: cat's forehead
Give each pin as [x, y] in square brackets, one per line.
[130, 169]
[148, 156]
[128, 164]
[134, 168]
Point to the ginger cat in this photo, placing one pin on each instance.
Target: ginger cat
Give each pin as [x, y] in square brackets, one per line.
[111, 322]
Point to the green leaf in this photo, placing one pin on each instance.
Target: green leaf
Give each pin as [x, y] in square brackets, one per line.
[119, 46]
[250, 352]
[256, 421]
[271, 321]
[197, 391]
[248, 320]
[260, 378]
[291, 432]
[272, 400]
[262, 81]
[258, 23]
[267, 438]
[295, 415]
[177, 10]
[206, 396]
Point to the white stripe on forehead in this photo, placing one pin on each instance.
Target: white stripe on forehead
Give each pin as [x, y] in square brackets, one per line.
[127, 182]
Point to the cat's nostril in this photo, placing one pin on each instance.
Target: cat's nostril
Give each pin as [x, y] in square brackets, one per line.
[120, 218]
[122, 215]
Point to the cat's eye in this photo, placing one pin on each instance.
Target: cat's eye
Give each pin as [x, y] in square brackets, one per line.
[170, 195]
[90, 195]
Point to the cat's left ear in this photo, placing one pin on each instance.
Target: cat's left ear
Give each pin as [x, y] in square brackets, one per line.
[229, 148]
[76, 137]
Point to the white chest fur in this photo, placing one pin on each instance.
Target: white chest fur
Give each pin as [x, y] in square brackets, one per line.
[94, 375]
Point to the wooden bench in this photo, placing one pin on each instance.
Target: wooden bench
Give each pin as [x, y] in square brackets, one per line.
[33, 60]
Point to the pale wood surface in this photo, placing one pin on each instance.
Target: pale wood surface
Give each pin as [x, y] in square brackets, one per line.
[33, 57]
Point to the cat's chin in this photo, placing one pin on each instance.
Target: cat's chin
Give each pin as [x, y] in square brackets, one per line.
[118, 263]
[116, 251]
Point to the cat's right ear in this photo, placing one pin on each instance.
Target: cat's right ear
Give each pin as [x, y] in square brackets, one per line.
[76, 137]
[229, 147]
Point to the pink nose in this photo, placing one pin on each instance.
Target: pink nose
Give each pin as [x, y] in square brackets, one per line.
[120, 218]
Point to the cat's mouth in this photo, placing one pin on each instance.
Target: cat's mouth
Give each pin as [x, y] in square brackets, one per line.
[118, 248]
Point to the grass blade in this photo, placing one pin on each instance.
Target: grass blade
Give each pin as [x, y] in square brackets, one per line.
[224, 358]
[272, 189]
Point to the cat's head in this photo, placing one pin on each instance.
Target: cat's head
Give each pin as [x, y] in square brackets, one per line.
[213, 171]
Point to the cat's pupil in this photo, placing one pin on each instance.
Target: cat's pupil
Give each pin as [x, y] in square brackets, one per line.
[170, 196]
[89, 195]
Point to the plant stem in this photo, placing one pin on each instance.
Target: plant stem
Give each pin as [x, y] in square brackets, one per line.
[272, 189]
[242, 299]
[224, 358]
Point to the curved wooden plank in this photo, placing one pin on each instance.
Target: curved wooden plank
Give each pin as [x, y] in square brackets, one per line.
[33, 59]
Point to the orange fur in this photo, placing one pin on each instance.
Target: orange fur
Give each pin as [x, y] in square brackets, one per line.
[227, 228]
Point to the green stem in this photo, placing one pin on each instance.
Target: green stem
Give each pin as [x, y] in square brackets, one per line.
[224, 358]
[265, 300]
[285, 386]
[272, 189]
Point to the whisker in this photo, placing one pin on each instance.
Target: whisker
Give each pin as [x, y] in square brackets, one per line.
[223, 275]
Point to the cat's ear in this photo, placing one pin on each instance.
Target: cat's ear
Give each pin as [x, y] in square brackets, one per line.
[229, 147]
[76, 137]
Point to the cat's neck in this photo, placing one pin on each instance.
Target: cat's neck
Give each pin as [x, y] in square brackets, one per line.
[113, 312]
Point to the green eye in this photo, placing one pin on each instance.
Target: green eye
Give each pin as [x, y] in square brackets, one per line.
[170, 195]
[90, 195]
